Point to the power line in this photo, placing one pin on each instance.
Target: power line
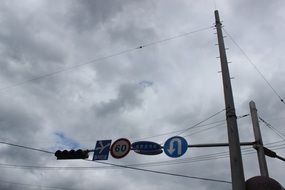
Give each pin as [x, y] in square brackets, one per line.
[203, 130]
[277, 132]
[126, 167]
[102, 58]
[255, 67]
[167, 173]
[49, 152]
[192, 126]
[206, 157]
[174, 37]
[66, 69]
[176, 131]
[276, 142]
[201, 158]
[158, 135]
[218, 125]
[33, 185]
[274, 145]
[26, 147]
[197, 124]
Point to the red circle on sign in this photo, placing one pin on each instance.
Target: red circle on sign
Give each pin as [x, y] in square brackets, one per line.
[120, 148]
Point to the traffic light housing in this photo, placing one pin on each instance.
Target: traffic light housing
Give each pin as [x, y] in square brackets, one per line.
[72, 154]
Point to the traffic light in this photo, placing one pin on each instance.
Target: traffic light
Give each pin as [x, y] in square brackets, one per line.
[72, 154]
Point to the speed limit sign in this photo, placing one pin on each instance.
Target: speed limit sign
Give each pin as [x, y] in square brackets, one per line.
[120, 148]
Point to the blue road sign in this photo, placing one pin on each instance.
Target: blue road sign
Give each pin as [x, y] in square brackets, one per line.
[175, 146]
[146, 146]
[149, 152]
[102, 150]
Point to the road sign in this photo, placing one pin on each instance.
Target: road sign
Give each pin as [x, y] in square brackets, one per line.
[146, 148]
[120, 148]
[149, 152]
[175, 146]
[102, 149]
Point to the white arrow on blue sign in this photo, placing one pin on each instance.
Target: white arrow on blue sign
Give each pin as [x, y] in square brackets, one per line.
[102, 150]
[175, 146]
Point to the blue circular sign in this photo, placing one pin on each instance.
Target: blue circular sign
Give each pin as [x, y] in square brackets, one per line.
[175, 146]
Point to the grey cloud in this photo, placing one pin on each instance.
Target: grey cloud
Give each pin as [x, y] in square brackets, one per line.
[18, 123]
[25, 48]
[127, 99]
[45, 36]
[85, 15]
[131, 32]
[90, 14]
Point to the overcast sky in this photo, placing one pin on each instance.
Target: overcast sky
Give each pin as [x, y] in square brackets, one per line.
[70, 74]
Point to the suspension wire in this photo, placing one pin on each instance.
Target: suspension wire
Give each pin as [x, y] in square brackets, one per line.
[218, 125]
[163, 134]
[276, 142]
[255, 67]
[49, 152]
[203, 130]
[66, 69]
[34, 186]
[274, 145]
[165, 173]
[197, 124]
[26, 147]
[102, 58]
[176, 131]
[174, 37]
[207, 157]
[277, 132]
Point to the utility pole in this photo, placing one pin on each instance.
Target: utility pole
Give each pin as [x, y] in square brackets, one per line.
[237, 174]
[258, 140]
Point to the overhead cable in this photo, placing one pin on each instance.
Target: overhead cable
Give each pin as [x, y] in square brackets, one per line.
[174, 37]
[26, 147]
[166, 173]
[181, 130]
[66, 69]
[218, 155]
[197, 124]
[255, 67]
[277, 132]
[214, 156]
[34, 186]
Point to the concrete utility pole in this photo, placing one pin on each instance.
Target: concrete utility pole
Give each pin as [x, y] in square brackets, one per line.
[237, 174]
[258, 140]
